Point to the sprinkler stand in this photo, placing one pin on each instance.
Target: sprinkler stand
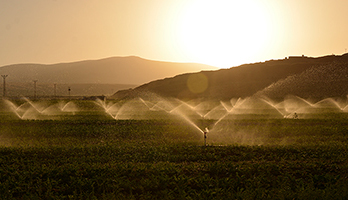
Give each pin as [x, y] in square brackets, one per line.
[206, 130]
[205, 138]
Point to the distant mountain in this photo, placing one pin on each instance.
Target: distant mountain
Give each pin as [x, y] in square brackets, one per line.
[115, 70]
[275, 78]
[122, 72]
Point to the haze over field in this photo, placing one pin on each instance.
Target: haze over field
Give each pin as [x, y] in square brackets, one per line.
[222, 33]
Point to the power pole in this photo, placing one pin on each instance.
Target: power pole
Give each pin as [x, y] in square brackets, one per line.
[34, 88]
[4, 85]
[69, 91]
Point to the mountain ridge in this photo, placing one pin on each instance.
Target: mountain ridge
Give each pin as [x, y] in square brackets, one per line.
[118, 72]
[113, 70]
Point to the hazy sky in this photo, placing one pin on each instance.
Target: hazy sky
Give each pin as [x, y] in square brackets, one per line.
[222, 33]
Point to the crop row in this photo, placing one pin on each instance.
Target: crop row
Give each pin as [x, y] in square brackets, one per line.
[161, 159]
[174, 171]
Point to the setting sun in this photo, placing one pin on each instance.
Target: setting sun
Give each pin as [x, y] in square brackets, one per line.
[216, 32]
[220, 33]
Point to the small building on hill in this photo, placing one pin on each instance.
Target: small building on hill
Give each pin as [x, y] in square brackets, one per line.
[298, 57]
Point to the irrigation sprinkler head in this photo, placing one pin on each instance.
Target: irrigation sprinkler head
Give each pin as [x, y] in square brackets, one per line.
[295, 116]
[206, 130]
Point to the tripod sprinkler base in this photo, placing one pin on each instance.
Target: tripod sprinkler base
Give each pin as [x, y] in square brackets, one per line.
[205, 138]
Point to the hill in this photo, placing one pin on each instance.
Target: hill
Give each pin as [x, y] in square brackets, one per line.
[122, 72]
[245, 80]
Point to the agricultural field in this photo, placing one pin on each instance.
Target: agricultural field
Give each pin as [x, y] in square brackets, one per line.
[85, 152]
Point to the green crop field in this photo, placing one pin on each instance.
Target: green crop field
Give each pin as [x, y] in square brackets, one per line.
[90, 155]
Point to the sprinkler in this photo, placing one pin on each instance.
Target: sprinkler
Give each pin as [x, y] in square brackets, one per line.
[206, 130]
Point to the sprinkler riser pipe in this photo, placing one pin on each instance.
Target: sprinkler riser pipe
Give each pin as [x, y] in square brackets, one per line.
[205, 138]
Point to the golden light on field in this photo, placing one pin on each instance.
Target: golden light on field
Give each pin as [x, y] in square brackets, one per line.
[216, 32]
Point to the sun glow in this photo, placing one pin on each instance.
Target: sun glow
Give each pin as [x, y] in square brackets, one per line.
[223, 33]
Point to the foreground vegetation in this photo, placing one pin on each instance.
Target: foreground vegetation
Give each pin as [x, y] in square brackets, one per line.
[164, 159]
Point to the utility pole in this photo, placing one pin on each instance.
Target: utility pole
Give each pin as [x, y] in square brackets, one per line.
[4, 85]
[69, 91]
[34, 88]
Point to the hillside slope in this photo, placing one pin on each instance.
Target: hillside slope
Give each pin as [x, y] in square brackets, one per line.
[242, 81]
[328, 80]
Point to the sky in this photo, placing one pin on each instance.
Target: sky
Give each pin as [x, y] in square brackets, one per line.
[221, 33]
